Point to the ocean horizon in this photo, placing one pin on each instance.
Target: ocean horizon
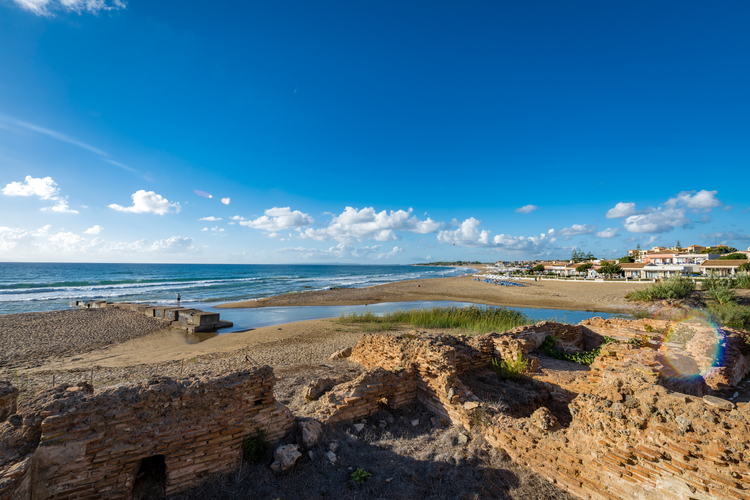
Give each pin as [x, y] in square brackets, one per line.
[34, 287]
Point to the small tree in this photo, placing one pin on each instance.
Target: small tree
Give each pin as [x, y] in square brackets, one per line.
[610, 268]
[539, 268]
[627, 260]
[584, 267]
[744, 267]
[678, 246]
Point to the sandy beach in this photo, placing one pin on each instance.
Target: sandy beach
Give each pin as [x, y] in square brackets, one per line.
[124, 346]
[546, 294]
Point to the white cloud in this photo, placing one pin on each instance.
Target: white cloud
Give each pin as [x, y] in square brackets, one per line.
[94, 230]
[621, 210]
[667, 216]
[395, 251]
[468, 234]
[237, 217]
[175, 244]
[526, 209]
[226, 201]
[279, 219]
[62, 207]
[47, 7]
[656, 221]
[696, 201]
[43, 187]
[577, 229]
[148, 202]
[354, 224]
[210, 218]
[607, 233]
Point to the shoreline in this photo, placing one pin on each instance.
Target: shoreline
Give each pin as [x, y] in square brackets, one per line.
[543, 294]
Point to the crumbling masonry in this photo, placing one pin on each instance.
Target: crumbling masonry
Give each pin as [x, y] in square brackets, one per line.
[633, 426]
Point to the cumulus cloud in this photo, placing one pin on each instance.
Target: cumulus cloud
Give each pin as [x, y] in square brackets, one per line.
[94, 230]
[468, 234]
[279, 219]
[696, 201]
[577, 229]
[526, 209]
[175, 244]
[237, 217]
[354, 224]
[44, 188]
[657, 221]
[607, 233]
[48, 7]
[667, 216]
[148, 202]
[621, 210]
[211, 218]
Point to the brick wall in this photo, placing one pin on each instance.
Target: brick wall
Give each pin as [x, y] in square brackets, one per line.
[632, 434]
[89, 445]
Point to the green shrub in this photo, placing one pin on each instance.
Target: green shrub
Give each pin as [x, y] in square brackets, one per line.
[360, 475]
[676, 287]
[582, 358]
[742, 280]
[731, 314]
[255, 447]
[715, 282]
[511, 369]
[723, 295]
[734, 256]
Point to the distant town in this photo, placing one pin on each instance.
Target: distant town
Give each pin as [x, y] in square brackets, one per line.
[653, 263]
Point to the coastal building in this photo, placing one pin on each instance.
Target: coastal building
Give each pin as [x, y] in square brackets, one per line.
[663, 271]
[695, 248]
[694, 258]
[633, 270]
[721, 267]
[556, 267]
[659, 258]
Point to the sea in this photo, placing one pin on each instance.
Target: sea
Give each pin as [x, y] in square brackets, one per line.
[33, 287]
[27, 287]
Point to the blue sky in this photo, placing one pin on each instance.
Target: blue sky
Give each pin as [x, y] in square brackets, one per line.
[370, 132]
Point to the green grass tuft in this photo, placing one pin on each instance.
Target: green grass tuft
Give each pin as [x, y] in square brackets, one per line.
[475, 318]
[511, 369]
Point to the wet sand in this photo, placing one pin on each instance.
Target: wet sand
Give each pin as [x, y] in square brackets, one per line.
[545, 294]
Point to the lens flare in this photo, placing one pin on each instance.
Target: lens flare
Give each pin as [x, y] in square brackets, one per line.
[202, 193]
[693, 347]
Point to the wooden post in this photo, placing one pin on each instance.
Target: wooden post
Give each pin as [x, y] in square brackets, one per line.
[92, 377]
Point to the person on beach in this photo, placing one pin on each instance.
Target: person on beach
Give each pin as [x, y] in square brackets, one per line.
[178, 300]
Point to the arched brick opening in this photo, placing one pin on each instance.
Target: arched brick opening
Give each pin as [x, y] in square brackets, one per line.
[151, 479]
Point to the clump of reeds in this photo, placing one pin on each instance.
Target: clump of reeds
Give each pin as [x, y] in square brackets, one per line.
[474, 318]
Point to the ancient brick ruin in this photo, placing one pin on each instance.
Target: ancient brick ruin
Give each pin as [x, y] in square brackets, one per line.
[623, 432]
[640, 423]
[71, 442]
